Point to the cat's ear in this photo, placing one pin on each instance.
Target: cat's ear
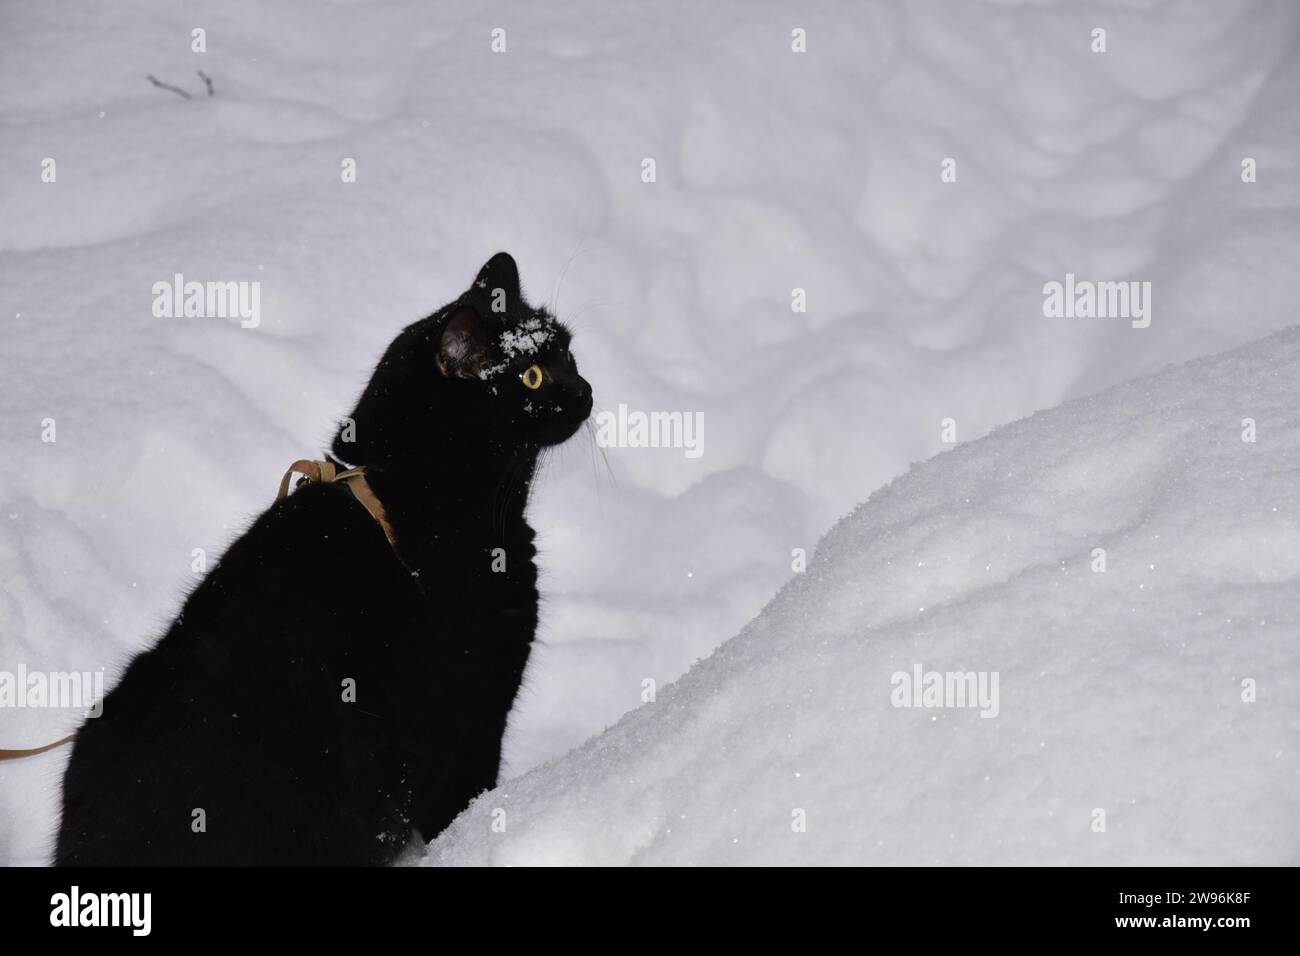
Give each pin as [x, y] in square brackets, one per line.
[462, 351]
[499, 277]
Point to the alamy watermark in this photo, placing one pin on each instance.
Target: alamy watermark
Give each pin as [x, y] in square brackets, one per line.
[945, 689]
[181, 299]
[132, 911]
[636, 429]
[1085, 299]
[73, 690]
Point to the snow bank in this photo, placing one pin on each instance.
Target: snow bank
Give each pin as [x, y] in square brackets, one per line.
[1119, 690]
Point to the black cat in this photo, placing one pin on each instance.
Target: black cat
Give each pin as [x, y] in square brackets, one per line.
[326, 696]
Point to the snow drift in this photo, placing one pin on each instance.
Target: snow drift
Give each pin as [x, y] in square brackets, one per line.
[1161, 690]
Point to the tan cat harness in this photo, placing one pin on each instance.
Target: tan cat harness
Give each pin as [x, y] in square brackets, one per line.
[353, 478]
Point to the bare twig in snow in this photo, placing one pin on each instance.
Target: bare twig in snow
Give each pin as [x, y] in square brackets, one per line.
[167, 86]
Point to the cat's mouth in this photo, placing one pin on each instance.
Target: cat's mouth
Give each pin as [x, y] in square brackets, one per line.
[564, 424]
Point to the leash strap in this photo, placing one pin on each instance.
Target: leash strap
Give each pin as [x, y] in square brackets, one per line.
[33, 751]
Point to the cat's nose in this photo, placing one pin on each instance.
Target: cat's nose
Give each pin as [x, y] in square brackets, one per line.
[584, 399]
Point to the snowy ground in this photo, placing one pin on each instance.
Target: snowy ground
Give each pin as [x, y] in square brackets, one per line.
[775, 171]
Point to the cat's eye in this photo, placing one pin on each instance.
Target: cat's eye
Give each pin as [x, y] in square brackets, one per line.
[533, 377]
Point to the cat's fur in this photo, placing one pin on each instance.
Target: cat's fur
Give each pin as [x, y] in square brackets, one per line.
[239, 710]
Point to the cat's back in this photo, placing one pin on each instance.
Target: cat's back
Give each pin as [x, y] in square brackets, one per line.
[239, 711]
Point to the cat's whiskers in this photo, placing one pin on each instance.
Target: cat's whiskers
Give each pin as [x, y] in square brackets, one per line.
[571, 319]
[598, 449]
[564, 270]
[590, 429]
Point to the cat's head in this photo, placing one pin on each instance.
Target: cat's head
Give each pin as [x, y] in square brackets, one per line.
[488, 370]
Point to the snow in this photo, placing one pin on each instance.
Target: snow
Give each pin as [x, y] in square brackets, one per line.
[1120, 690]
[776, 171]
